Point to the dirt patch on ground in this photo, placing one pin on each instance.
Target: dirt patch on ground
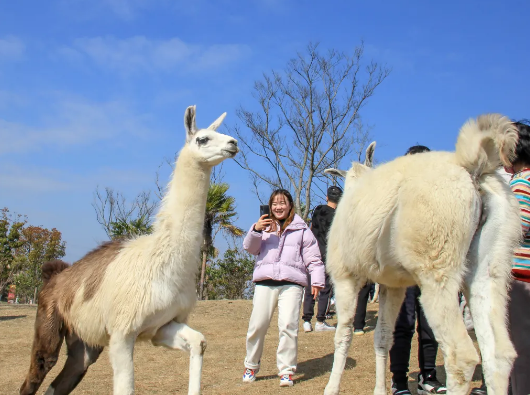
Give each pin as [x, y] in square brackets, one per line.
[224, 323]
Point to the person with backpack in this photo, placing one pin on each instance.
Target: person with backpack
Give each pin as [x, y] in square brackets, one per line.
[410, 313]
[320, 224]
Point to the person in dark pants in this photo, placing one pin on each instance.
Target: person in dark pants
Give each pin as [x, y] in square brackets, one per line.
[427, 348]
[403, 333]
[320, 224]
[359, 321]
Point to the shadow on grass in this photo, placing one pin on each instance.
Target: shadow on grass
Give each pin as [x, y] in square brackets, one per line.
[269, 377]
[11, 317]
[313, 368]
[317, 367]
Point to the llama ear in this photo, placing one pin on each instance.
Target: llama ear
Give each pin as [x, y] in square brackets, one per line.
[369, 158]
[336, 172]
[217, 122]
[189, 122]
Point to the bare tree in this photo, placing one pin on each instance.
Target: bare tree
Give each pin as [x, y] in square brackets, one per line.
[308, 119]
[112, 207]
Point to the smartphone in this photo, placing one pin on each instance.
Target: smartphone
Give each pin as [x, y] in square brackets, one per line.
[264, 209]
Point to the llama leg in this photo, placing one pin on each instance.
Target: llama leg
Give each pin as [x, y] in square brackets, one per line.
[441, 307]
[346, 292]
[180, 336]
[390, 301]
[487, 301]
[487, 282]
[121, 348]
[80, 357]
[45, 351]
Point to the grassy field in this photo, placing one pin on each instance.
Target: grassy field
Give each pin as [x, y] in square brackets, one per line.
[224, 323]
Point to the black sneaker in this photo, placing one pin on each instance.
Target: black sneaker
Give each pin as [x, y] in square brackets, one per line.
[482, 390]
[400, 389]
[430, 385]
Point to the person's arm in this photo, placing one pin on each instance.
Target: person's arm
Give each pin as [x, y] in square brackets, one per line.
[252, 241]
[521, 189]
[313, 260]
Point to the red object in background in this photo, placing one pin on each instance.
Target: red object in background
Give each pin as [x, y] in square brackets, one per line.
[11, 295]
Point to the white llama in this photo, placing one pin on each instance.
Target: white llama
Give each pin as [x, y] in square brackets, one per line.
[138, 289]
[441, 220]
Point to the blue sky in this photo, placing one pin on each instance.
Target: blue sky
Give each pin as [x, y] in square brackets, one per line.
[92, 92]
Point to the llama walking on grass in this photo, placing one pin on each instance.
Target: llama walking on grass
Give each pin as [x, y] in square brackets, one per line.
[444, 221]
[143, 288]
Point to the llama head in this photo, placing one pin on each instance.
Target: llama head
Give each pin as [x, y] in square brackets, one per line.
[356, 169]
[206, 145]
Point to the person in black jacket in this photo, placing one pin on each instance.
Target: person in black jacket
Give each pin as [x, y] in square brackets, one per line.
[320, 224]
[411, 313]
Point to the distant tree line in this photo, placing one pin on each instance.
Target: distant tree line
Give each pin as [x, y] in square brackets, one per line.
[23, 250]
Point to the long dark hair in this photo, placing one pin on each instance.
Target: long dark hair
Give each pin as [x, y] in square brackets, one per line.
[290, 216]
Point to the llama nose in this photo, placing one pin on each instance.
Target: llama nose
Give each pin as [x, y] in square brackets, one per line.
[233, 141]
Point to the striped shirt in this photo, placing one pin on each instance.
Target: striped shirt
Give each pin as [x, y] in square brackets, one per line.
[520, 185]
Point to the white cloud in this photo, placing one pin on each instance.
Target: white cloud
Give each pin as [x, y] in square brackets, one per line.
[72, 121]
[11, 48]
[14, 179]
[22, 179]
[140, 54]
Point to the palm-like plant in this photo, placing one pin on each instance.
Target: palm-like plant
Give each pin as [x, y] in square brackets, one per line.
[220, 216]
[123, 228]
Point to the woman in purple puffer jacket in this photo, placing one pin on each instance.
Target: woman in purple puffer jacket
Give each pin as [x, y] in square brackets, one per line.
[286, 252]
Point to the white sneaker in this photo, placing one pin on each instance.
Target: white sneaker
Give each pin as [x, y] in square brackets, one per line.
[250, 375]
[286, 381]
[308, 327]
[323, 326]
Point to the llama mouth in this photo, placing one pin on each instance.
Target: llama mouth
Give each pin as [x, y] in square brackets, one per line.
[231, 153]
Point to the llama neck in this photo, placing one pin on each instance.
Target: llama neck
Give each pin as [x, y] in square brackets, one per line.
[180, 220]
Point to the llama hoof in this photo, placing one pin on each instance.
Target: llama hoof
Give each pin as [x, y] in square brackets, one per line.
[331, 390]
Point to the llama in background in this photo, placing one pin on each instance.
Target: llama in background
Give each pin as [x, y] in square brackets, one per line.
[142, 288]
[444, 221]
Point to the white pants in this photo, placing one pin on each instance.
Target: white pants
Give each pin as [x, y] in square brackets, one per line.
[288, 298]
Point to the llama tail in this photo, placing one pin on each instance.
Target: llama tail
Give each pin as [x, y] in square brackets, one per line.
[52, 268]
[486, 143]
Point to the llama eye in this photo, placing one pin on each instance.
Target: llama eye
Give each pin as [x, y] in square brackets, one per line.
[202, 140]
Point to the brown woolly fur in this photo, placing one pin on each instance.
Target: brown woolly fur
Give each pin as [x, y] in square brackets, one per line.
[96, 263]
[52, 268]
[87, 274]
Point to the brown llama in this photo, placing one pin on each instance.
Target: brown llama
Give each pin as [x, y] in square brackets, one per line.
[142, 288]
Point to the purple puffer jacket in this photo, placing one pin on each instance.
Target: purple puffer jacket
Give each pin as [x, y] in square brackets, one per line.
[288, 257]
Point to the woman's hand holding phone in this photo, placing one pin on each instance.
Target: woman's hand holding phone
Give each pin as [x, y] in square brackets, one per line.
[263, 223]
